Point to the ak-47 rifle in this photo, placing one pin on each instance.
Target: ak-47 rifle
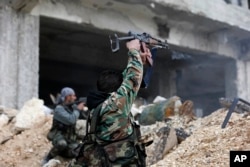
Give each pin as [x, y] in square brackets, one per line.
[146, 38]
[57, 99]
[81, 100]
[151, 42]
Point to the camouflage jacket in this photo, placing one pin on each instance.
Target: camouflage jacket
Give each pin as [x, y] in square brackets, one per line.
[114, 123]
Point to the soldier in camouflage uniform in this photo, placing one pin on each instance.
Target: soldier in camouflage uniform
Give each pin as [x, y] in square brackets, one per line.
[62, 134]
[116, 138]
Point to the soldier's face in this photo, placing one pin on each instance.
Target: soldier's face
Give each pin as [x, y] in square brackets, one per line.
[70, 98]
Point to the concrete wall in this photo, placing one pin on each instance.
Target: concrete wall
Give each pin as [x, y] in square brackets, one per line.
[243, 79]
[242, 3]
[231, 74]
[207, 27]
[19, 35]
[191, 24]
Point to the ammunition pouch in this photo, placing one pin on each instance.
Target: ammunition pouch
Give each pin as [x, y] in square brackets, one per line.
[51, 135]
[123, 151]
[61, 127]
[56, 130]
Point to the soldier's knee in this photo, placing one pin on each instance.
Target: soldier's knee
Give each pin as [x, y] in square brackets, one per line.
[61, 144]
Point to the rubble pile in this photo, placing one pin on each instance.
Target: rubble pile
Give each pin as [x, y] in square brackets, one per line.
[23, 141]
[208, 144]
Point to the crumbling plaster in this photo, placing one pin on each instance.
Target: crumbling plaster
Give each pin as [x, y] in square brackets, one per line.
[205, 26]
[210, 27]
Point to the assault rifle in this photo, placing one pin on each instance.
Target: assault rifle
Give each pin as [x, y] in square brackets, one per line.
[144, 38]
[81, 100]
[57, 99]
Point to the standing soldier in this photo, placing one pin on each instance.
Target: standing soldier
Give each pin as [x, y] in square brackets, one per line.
[113, 138]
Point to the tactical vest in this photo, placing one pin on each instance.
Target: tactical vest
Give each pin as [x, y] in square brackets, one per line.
[111, 152]
[60, 130]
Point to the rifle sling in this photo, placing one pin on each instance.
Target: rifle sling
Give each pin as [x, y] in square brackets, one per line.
[94, 118]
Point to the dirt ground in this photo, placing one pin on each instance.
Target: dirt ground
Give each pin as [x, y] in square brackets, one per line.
[209, 145]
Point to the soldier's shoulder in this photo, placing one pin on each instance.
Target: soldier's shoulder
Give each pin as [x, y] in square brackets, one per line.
[59, 107]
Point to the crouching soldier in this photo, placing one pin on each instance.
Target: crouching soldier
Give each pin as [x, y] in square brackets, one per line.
[62, 134]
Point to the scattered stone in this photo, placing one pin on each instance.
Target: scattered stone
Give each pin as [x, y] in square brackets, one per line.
[203, 141]
[80, 128]
[52, 163]
[3, 120]
[30, 114]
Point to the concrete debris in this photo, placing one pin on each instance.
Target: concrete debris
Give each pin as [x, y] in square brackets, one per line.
[52, 163]
[209, 145]
[31, 113]
[167, 120]
[164, 139]
[3, 120]
[80, 128]
[204, 143]
[11, 113]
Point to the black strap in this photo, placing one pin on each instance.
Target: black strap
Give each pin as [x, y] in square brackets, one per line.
[92, 121]
[149, 70]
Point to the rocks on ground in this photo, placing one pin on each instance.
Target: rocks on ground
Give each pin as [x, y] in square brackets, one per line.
[25, 144]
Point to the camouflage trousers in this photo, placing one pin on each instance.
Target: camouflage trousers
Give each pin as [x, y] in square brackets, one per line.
[74, 163]
[63, 148]
[118, 154]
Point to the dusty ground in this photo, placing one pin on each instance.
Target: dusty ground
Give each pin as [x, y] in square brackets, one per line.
[26, 148]
[209, 145]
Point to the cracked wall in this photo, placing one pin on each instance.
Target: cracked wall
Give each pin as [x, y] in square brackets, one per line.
[205, 27]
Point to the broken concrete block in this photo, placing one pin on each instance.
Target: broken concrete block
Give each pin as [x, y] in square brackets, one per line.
[31, 113]
[10, 112]
[3, 120]
[80, 128]
[52, 163]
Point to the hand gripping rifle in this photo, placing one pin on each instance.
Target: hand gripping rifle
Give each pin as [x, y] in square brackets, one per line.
[145, 38]
[81, 100]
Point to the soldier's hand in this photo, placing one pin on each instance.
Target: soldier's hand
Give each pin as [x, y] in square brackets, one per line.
[80, 106]
[146, 56]
[145, 53]
[133, 44]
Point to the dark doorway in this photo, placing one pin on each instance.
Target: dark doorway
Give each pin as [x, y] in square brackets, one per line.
[203, 81]
[73, 55]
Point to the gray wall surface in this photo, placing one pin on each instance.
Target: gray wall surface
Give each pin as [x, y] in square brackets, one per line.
[19, 34]
[74, 40]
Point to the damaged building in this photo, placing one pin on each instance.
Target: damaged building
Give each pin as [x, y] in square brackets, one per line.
[48, 44]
